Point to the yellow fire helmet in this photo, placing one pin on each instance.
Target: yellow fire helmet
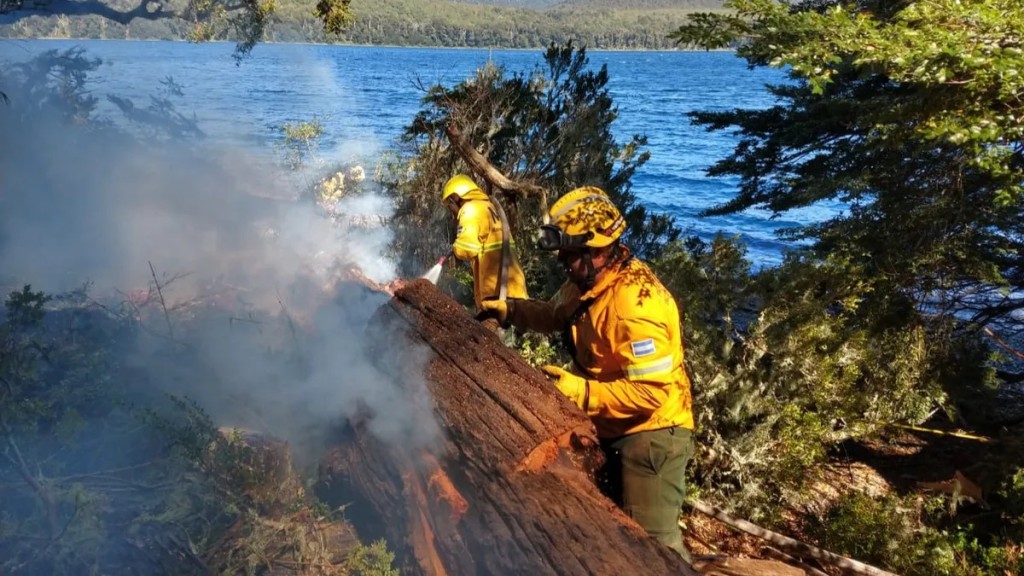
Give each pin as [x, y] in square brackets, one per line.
[464, 187]
[584, 217]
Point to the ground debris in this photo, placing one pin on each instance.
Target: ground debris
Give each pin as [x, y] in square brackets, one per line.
[279, 531]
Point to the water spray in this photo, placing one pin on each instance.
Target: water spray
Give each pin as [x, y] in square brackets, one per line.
[434, 273]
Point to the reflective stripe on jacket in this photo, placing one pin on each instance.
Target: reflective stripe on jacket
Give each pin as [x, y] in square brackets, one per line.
[479, 242]
[628, 344]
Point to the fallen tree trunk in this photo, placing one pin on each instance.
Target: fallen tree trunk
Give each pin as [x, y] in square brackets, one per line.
[508, 489]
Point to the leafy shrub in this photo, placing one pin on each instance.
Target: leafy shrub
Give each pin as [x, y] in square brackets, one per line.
[786, 362]
[371, 560]
[912, 535]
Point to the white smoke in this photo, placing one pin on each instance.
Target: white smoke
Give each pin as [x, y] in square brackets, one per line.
[247, 269]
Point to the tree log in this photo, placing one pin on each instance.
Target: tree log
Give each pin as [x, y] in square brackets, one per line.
[509, 487]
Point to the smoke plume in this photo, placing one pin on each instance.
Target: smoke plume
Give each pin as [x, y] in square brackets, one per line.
[229, 274]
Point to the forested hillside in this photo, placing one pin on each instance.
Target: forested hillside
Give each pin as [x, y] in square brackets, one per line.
[444, 23]
[701, 5]
[600, 24]
[683, 4]
[536, 4]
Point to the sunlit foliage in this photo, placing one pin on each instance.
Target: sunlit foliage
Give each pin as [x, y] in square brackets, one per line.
[549, 127]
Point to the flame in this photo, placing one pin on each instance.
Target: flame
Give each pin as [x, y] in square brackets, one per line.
[423, 500]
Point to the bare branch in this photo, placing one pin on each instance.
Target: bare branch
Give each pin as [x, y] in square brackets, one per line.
[795, 547]
[1002, 344]
[18, 461]
[479, 163]
[163, 303]
[145, 10]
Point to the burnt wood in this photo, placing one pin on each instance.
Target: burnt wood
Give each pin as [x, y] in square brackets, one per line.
[508, 487]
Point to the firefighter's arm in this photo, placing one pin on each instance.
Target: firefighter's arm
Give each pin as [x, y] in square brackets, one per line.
[467, 245]
[648, 359]
[544, 316]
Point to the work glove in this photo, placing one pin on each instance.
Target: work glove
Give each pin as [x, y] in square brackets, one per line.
[494, 309]
[576, 388]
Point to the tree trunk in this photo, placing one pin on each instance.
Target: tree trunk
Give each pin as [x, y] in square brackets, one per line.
[508, 489]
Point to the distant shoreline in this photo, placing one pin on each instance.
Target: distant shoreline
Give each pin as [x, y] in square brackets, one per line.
[354, 45]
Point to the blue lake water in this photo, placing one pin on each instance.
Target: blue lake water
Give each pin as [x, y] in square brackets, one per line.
[366, 95]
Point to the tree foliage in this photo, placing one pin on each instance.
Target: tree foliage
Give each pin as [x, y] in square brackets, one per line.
[98, 473]
[902, 119]
[442, 23]
[913, 535]
[782, 373]
[245, 21]
[909, 116]
[550, 127]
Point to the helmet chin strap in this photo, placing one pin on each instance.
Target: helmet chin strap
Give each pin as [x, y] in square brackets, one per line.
[588, 263]
[591, 278]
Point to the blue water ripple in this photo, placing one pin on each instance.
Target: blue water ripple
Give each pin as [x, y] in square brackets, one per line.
[365, 96]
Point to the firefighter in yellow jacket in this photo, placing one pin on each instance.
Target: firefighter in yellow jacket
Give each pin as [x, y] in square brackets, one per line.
[623, 329]
[480, 241]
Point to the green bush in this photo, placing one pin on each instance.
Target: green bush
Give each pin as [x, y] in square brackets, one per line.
[913, 536]
[371, 560]
[789, 361]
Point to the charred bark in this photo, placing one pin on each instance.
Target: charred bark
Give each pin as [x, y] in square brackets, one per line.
[508, 489]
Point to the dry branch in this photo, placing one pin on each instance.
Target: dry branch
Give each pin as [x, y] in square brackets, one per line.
[479, 164]
[144, 10]
[795, 547]
[789, 559]
[163, 303]
[1003, 344]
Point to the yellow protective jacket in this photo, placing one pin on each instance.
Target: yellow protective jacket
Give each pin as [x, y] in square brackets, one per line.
[479, 241]
[628, 345]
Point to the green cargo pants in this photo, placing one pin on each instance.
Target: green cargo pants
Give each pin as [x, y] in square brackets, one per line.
[646, 476]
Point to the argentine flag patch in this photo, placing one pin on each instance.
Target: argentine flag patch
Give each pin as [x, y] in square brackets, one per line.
[642, 347]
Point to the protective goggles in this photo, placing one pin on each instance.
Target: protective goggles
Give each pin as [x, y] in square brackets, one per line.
[552, 238]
